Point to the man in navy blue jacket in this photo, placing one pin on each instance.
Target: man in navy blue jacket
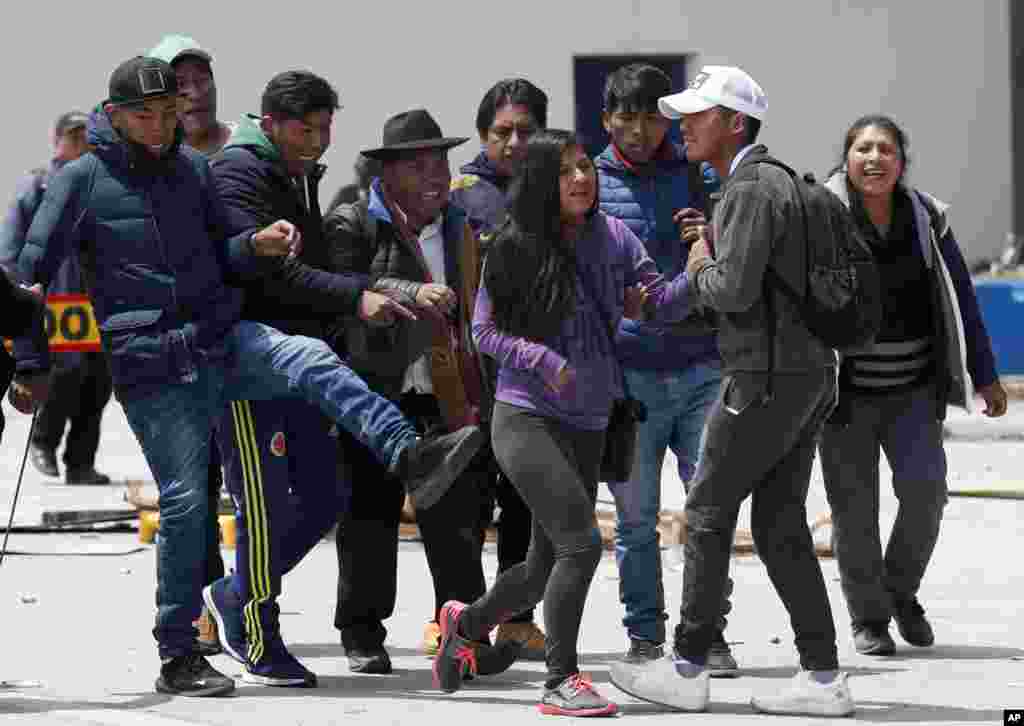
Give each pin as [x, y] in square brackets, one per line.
[80, 381]
[153, 236]
[647, 182]
[279, 453]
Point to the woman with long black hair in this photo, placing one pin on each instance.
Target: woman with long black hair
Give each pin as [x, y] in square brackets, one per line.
[556, 283]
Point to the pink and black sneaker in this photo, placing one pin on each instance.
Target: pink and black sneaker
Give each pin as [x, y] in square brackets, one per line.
[456, 655]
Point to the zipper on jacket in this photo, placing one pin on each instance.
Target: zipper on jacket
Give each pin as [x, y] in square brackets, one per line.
[164, 253]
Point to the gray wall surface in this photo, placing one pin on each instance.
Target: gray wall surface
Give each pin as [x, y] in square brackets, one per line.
[941, 69]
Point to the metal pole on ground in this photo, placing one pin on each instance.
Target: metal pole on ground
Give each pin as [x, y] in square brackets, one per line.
[17, 489]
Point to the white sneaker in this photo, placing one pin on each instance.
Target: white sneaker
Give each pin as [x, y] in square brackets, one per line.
[806, 697]
[658, 681]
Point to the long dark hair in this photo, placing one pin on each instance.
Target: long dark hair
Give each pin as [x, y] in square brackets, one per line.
[531, 270]
[889, 126]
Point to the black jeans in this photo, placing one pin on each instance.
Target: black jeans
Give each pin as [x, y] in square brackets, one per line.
[555, 468]
[760, 445]
[78, 394]
[367, 537]
[905, 427]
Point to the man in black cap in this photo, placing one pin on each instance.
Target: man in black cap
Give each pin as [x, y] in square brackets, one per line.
[144, 212]
[79, 381]
[197, 114]
[406, 236]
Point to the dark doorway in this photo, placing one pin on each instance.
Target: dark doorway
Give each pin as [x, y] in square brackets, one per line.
[589, 74]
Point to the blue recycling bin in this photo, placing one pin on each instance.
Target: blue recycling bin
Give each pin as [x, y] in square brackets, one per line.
[1002, 308]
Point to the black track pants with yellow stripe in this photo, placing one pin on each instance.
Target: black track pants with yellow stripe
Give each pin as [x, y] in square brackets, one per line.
[280, 466]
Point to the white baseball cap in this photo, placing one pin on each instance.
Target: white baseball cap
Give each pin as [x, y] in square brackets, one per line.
[717, 86]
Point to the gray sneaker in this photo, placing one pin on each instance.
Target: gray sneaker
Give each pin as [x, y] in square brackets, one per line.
[641, 651]
[720, 663]
[575, 696]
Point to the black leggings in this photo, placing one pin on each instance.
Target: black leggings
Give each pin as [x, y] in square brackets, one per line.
[554, 467]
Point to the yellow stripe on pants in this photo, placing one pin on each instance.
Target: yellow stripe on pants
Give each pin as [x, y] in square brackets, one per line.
[256, 526]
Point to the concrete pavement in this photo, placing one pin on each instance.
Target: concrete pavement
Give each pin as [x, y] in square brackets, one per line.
[77, 615]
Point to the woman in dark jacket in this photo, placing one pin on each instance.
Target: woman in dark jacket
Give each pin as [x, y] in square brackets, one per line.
[932, 350]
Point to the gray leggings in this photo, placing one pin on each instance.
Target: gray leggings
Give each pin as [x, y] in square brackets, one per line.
[554, 467]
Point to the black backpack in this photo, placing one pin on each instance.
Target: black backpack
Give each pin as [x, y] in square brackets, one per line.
[842, 301]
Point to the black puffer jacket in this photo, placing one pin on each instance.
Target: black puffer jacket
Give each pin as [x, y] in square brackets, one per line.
[295, 295]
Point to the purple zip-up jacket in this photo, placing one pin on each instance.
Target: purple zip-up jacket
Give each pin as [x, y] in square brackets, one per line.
[612, 259]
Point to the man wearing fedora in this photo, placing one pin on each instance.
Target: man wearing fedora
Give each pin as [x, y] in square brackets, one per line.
[408, 239]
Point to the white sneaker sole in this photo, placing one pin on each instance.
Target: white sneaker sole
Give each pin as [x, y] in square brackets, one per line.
[248, 677]
[807, 708]
[219, 619]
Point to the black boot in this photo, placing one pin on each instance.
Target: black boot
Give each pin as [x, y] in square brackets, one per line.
[428, 466]
[873, 639]
[44, 460]
[86, 476]
[375, 661]
[912, 624]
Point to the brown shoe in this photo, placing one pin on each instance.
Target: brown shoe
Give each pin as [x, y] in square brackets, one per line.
[528, 635]
[431, 639]
[207, 643]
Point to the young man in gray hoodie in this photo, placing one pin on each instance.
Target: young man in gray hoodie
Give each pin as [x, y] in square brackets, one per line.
[779, 386]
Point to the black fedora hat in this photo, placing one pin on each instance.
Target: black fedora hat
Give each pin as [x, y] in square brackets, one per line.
[410, 131]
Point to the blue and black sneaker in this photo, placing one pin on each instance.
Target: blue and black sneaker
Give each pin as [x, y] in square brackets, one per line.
[226, 608]
[277, 667]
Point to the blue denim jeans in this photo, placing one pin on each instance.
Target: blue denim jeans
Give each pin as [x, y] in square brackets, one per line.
[174, 425]
[677, 405]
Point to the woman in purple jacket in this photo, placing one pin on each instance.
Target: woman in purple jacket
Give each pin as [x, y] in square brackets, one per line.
[556, 284]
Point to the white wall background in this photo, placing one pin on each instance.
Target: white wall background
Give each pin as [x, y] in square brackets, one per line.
[941, 69]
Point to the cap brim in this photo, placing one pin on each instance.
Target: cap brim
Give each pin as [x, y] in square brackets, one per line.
[680, 104]
[383, 153]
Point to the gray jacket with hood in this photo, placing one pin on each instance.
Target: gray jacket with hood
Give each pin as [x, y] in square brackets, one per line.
[757, 223]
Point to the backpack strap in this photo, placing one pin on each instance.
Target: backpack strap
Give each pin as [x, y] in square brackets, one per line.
[772, 280]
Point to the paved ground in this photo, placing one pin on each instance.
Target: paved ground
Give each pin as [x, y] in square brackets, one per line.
[76, 617]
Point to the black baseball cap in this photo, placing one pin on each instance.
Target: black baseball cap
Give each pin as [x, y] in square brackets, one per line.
[140, 79]
[70, 121]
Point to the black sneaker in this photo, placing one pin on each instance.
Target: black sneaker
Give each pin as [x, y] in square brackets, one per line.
[87, 476]
[721, 663]
[278, 667]
[912, 624]
[873, 639]
[428, 466]
[191, 675]
[375, 661]
[643, 651]
[44, 460]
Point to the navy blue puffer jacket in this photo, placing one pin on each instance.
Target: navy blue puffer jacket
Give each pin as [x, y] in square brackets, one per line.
[154, 249]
